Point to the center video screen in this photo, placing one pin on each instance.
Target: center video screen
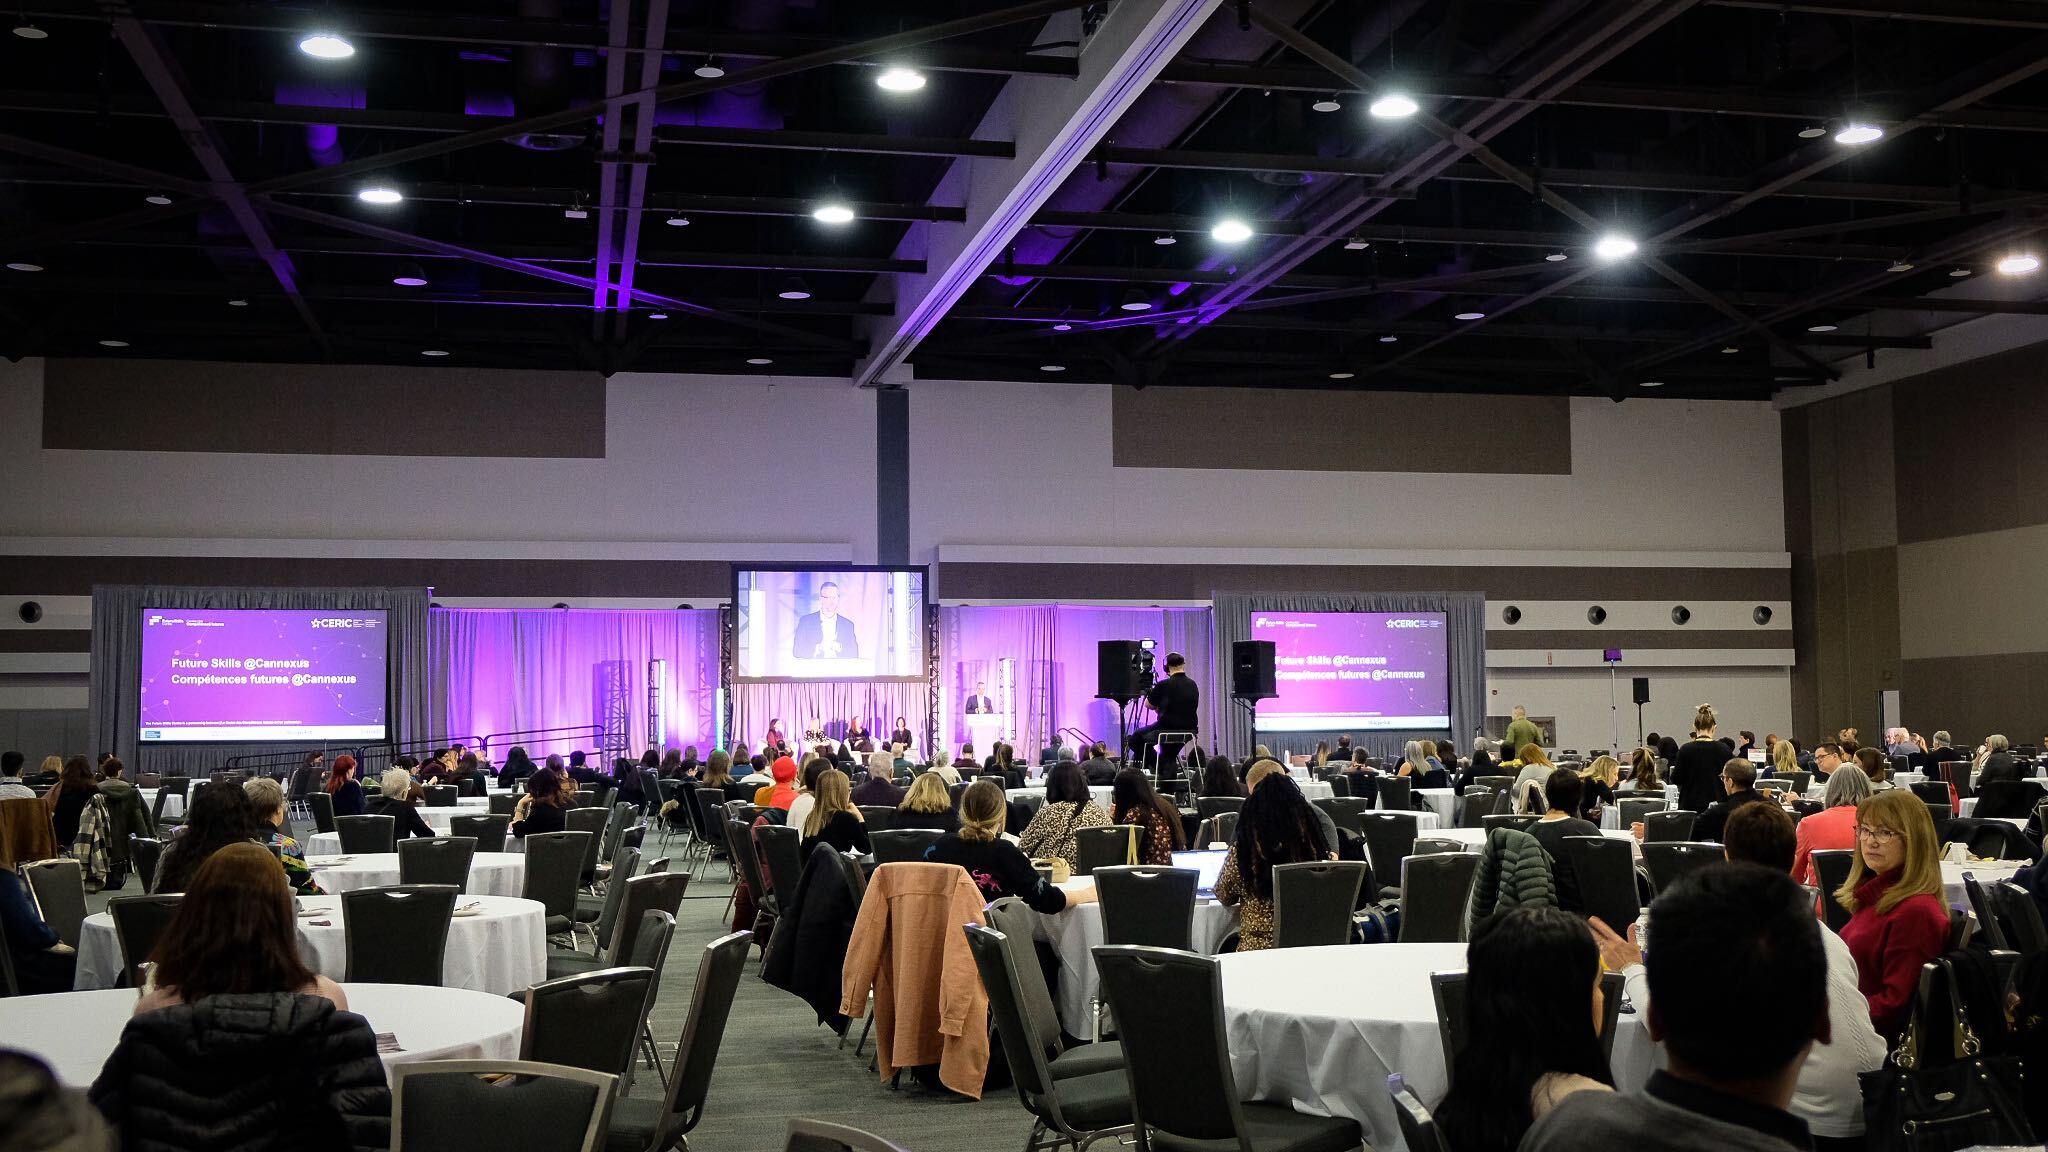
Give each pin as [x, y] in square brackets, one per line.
[829, 624]
[1362, 671]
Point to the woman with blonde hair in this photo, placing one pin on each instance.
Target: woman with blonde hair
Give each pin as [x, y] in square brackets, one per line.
[833, 819]
[1897, 920]
[998, 867]
[1597, 791]
[1528, 785]
[928, 804]
[1784, 758]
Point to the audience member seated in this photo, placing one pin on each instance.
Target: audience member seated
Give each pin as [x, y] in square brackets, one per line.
[126, 815]
[1642, 772]
[1479, 764]
[1360, 765]
[1220, 779]
[782, 793]
[806, 791]
[1834, 826]
[1414, 763]
[74, 790]
[1534, 769]
[518, 766]
[1262, 770]
[1561, 792]
[1342, 753]
[753, 770]
[1784, 758]
[1002, 763]
[343, 786]
[998, 867]
[1098, 769]
[718, 774]
[1732, 1061]
[1738, 779]
[1873, 764]
[1897, 919]
[1276, 826]
[48, 775]
[878, 790]
[1068, 806]
[1597, 784]
[1829, 1097]
[1440, 760]
[544, 807]
[1534, 1007]
[12, 787]
[1941, 750]
[927, 805]
[833, 819]
[217, 818]
[1133, 801]
[235, 931]
[1827, 756]
[266, 801]
[1697, 768]
[394, 799]
[42, 963]
[1994, 763]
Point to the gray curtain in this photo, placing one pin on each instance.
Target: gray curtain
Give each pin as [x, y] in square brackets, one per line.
[117, 662]
[1465, 615]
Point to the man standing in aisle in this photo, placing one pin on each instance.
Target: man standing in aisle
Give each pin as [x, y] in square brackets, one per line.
[1522, 730]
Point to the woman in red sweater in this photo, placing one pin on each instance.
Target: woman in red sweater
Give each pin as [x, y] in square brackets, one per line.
[1894, 893]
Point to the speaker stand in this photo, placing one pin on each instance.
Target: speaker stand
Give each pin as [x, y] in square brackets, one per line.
[1613, 709]
[1250, 704]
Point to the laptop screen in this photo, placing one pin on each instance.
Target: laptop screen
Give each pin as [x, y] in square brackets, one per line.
[1208, 863]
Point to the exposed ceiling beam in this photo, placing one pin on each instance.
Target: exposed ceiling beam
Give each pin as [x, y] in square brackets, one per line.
[1988, 13]
[643, 143]
[618, 34]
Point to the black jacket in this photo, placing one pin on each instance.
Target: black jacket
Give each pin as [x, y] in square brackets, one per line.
[247, 1073]
[407, 818]
[1099, 770]
[809, 958]
[1697, 772]
[1715, 818]
[1997, 766]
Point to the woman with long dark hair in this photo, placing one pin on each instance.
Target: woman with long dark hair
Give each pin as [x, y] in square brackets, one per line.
[543, 809]
[1276, 826]
[1220, 778]
[74, 789]
[220, 815]
[1533, 1007]
[1133, 801]
[518, 766]
[1068, 805]
[343, 786]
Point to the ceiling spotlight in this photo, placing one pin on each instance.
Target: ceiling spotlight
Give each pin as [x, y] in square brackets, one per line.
[156, 198]
[1823, 328]
[113, 343]
[327, 46]
[1812, 132]
[1729, 349]
[1854, 133]
[793, 289]
[1390, 339]
[1959, 271]
[379, 194]
[833, 212]
[434, 352]
[1356, 244]
[28, 31]
[1165, 240]
[709, 69]
[2019, 264]
[1900, 266]
[1555, 257]
[238, 302]
[23, 266]
[410, 276]
[1230, 230]
[1052, 367]
[1328, 103]
[677, 221]
[1393, 106]
[900, 80]
[1651, 384]
[1470, 316]
[1063, 327]
[657, 315]
[576, 212]
[760, 361]
[1342, 375]
[1135, 301]
[1614, 246]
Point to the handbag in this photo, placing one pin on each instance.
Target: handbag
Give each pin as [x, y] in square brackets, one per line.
[1968, 1100]
[1060, 869]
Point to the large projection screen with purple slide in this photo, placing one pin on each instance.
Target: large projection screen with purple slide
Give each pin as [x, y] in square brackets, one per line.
[1363, 671]
[259, 675]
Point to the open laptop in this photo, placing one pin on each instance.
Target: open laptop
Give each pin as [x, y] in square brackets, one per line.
[1208, 865]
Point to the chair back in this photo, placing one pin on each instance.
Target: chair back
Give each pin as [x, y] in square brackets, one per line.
[1178, 1062]
[439, 1104]
[779, 845]
[807, 1135]
[2019, 918]
[59, 888]
[436, 860]
[1313, 902]
[1606, 870]
[1435, 892]
[711, 997]
[1361, 785]
[1218, 829]
[1628, 811]
[651, 939]
[1103, 847]
[143, 854]
[1941, 816]
[366, 834]
[1956, 773]
[1342, 812]
[138, 923]
[740, 847]
[1389, 836]
[625, 865]
[877, 817]
[554, 863]
[397, 935]
[1449, 991]
[591, 1020]
[1475, 806]
[487, 829]
[320, 803]
[501, 803]
[1932, 791]
[902, 845]
[440, 795]
[2006, 799]
[1987, 915]
[1209, 806]
[593, 821]
[621, 815]
[1669, 860]
[649, 892]
[177, 785]
[1798, 781]
[1339, 786]
[710, 805]
[1006, 996]
[1832, 866]
[1675, 824]
[1015, 919]
[1497, 783]
[1147, 904]
[1397, 793]
[650, 790]
[1418, 1128]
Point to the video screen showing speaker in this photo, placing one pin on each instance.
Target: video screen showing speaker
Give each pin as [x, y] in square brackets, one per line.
[1362, 671]
[829, 623]
[253, 675]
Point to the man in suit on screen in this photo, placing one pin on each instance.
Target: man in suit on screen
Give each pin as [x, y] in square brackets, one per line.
[825, 634]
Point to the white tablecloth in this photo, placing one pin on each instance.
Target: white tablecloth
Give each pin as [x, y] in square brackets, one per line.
[1443, 802]
[1321, 1028]
[1610, 816]
[501, 948]
[173, 805]
[441, 820]
[1075, 932]
[75, 1032]
[1987, 872]
[1425, 821]
[490, 873]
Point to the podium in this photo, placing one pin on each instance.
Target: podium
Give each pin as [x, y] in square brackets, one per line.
[983, 730]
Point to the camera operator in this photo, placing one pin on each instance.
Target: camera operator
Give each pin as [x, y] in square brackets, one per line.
[1176, 701]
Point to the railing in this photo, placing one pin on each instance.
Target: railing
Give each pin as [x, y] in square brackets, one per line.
[376, 757]
[1079, 739]
[285, 762]
[539, 742]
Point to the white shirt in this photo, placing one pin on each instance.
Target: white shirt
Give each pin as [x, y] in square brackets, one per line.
[1828, 1097]
[800, 810]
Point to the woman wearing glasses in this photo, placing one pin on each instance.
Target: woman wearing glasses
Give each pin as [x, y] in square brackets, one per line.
[1898, 922]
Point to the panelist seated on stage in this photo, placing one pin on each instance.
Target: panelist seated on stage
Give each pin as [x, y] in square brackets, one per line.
[825, 634]
[979, 703]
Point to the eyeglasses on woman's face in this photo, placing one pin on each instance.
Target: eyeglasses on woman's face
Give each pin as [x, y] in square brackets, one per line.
[1877, 835]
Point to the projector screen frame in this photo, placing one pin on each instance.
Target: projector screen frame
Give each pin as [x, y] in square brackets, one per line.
[267, 740]
[921, 630]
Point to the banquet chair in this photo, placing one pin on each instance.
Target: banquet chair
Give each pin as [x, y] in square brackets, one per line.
[1015, 920]
[649, 949]
[1503, 804]
[615, 826]
[178, 785]
[1220, 828]
[1497, 783]
[650, 891]
[138, 922]
[1104, 847]
[595, 821]
[1418, 1128]
[1312, 902]
[1668, 861]
[501, 803]
[1431, 845]
[624, 867]
[643, 1124]
[1339, 786]
[1448, 989]
[1210, 806]
[1957, 774]
[2019, 918]
[1170, 1008]
[955, 791]
[436, 860]
[650, 792]
[534, 1107]
[1074, 1109]
[781, 847]
[740, 846]
[319, 803]
[1606, 871]
[710, 805]
[1798, 781]
[877, 816]
[1147, 904]
[1359, 785]
[1346, 812]
[1627, 812]
[59, 889]
[1941, 816]
[1474, 806]
[1992, 839]
[902, 845]
[2007, 799]
[1397, 794]
[1674, 824]
[1389, 836]
[589, 1021]
[1435, 891]
[367, 834]
[144, 852]
[158, 820]
[806, 1135]
[1932, 791]
[487, 829]
[553, 862]
[440, 795]
[1801, 809]
[1517, 820]
[397, 935]
[1832, 867]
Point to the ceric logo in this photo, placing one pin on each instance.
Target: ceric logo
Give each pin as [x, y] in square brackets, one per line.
[156, 619]
[1412, 622]
[340, 622]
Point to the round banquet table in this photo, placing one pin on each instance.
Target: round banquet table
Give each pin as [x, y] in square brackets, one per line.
[1320, 1029]
[501, 947]
[174, 806]
[1987, 872]
[490, 873]
[439, 819]
[1075, 931]
[1610, 816]
[75, 1032]
[1472, 839]
[1442, 801]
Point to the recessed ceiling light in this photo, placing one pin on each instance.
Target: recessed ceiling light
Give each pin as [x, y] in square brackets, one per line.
[28, 31]
[833, 213]
[1328, 103]
[1959, 271]
[410, 276]
[156, 198]
[1470, 316]
[1900, 266]
[1231, 230]
[379, 194]
[1812, 132]
[709, 69]
[1342, 375]
[1135, 301]
[238, 302]
[1729, 349]
[24, 266]
[1389, 339]
[657, 315]
[434, 352]
[1614, 246]
[575, 212]
[1063, 327]
[1854, 133]
[760, 361]
[1165, 240]
[1356, 244]
[2020, 264]
[900, 80]
[113, 343]
[1554, 257]
[1651, 384]
[793, 289]
[327, 46]
[1820, 327]
[1052, 367]
[1392, 106]
[677, 221]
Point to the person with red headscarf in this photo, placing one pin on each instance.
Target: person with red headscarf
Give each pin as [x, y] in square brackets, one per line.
[782, 793]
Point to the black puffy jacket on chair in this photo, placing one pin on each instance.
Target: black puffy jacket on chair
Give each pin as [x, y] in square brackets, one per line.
[247, 1073]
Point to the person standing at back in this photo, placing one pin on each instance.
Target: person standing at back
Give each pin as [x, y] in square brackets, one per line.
[1697, 767]
[1522, 730]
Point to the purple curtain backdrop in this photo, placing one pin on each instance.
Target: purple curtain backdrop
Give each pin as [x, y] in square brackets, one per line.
[507, 670]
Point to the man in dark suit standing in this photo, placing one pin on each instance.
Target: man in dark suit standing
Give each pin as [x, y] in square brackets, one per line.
[825, 634]
[979, 704]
